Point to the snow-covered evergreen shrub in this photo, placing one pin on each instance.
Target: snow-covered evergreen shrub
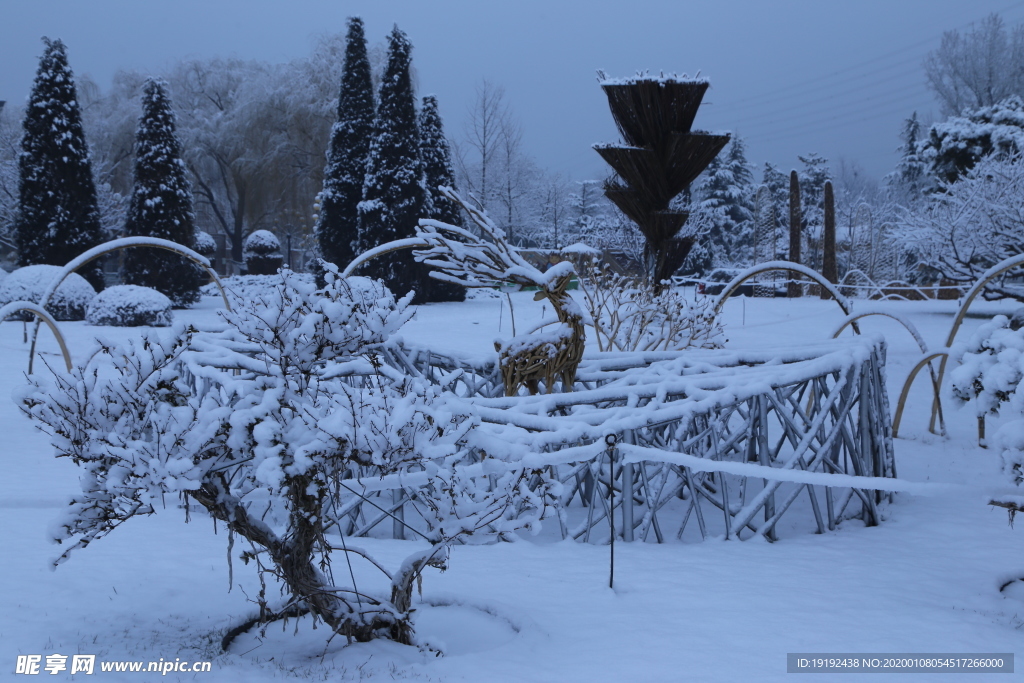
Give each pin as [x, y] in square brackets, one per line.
[129, 306]
[29, 283]
[267, 426]
[262, 252]
[205, 244]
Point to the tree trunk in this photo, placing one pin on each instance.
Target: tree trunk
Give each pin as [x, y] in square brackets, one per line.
[793, 289]
[829, 267]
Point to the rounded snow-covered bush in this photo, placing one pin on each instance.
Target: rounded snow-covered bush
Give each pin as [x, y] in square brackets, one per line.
[205, 244]
[129, 306]
[29, 284]
[261, 250]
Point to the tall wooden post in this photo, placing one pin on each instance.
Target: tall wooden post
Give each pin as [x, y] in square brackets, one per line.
[829, 267]
[793, 290]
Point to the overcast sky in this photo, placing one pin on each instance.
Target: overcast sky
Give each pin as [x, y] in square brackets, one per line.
[789, 76]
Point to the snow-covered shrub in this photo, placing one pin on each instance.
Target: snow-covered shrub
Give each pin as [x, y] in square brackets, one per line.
[252, 287]
[267, 426]
[262, 253]
[971, 224]
[990, 371]
[129, 306]
[29, 283]
[991, 367]
[205, 244]
[628, 315]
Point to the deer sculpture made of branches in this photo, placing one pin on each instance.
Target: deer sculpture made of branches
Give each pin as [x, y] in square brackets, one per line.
[458, 256]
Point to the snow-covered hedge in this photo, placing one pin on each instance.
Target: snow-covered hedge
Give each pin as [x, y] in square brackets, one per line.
[129, 306]
[252, 287]
[29, 283]
[261, 251]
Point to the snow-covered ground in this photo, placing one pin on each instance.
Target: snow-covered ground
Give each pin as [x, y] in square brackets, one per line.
[926, 580]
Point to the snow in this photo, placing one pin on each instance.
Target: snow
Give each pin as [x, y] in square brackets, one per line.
[662, 77]
[927, 579]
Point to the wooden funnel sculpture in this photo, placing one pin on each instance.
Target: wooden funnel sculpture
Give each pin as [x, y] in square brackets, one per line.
[660, 158]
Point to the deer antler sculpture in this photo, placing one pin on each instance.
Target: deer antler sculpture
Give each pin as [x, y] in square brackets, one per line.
[525, 360]
[457, 255]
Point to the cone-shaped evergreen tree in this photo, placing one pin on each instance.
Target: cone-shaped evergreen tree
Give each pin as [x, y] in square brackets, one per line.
[436, 157]
[337, 225]
[161, 204]
[728, 187]
[392, 191]
[58, 217]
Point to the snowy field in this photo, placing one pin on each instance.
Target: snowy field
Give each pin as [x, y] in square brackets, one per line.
[926, 580]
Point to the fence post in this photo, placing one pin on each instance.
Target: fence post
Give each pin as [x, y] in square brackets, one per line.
[398, 522]
[627, 495]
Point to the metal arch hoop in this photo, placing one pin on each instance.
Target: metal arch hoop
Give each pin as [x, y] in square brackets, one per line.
[990, 274]
[40, 312]
[790, 267]
[937, 403]
[116, 245]
[906, 387]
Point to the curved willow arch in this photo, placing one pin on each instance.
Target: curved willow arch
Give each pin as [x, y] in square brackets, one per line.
[988, 275]
[928, 357]
[386, 248]
[936, 400]
[41, 313]
[787, 266]
[116, 245]
[905, 323]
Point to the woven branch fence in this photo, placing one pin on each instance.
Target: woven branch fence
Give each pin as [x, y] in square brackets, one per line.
[660, 446]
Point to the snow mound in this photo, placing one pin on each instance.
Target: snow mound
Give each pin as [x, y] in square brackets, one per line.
[129, 306]
[29, 284]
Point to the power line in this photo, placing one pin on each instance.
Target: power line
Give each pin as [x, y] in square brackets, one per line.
[773, 94]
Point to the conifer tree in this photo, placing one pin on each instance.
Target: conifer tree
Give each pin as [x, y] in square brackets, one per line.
[435, 154]
[161, 204]
[337, 225]
[728, 187]
[58, 216]
[392, 191]
[911, 178]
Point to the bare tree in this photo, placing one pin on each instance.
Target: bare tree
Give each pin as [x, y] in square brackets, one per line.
[555, 216]
[486, 118]
[8, 176]
[978, 68]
